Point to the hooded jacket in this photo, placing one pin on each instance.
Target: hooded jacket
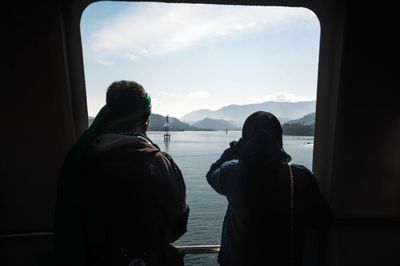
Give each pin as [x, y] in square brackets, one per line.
[256, 228]
[135, 202]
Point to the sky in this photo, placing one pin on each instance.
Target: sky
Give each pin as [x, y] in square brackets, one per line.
[197, 56]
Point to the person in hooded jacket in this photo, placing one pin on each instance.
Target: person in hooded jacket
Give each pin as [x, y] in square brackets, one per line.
[121, 200]
[270, 203]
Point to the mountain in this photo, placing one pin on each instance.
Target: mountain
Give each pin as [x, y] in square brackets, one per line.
[215, 124]
[197, 115]
[157, 123]
[300, 127]
[284, 111]
[305, 120]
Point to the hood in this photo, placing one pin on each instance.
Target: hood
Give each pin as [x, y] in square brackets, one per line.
[263, 147]
[109, 145]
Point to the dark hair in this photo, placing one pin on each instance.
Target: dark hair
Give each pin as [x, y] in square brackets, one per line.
[123, 97]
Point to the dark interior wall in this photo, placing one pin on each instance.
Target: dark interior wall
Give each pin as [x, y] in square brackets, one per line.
[365, 181]
[367, 146]
[332, 17]
[364, 246]
[35, 114]
[37, 126]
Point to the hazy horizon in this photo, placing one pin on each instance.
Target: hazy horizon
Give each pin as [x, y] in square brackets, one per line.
[198, 56]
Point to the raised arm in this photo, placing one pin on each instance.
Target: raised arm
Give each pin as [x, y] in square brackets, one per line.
[219, 172]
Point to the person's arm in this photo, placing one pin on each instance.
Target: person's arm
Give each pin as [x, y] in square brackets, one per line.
[219, 171]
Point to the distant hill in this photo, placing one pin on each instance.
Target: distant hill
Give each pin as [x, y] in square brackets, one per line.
[300, 127]
[284, 111]
[215, 124]
[197, 115]
[157, 124]
[305, 120]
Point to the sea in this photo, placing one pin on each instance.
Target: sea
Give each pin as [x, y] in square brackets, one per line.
[194, 152]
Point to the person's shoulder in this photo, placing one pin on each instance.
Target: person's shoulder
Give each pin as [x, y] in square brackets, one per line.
[162, 160]
[122, 145]
[229, 167]
[162, 156]
[231, 164]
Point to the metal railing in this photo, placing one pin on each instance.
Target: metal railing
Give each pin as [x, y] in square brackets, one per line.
[215, 248]
[192, 249]
[209, 249]
[26, 235]
[200, 249]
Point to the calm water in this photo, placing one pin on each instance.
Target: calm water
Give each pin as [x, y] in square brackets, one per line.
[194, 152]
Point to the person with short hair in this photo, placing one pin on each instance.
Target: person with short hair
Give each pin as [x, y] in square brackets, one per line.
[121, 200]
[270, 203]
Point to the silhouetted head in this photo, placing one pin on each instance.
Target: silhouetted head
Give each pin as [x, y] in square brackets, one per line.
[262, 121]
[128, 99]
[262, 138]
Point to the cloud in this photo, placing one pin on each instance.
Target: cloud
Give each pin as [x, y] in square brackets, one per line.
[156, 28]
[198, 94]
[104, 62]
[167, 93]
[281, 97]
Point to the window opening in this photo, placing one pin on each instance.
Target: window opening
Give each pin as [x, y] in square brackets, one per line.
[206, 68]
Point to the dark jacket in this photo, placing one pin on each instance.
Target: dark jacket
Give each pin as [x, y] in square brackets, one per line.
[135, 202]
[256, 228]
